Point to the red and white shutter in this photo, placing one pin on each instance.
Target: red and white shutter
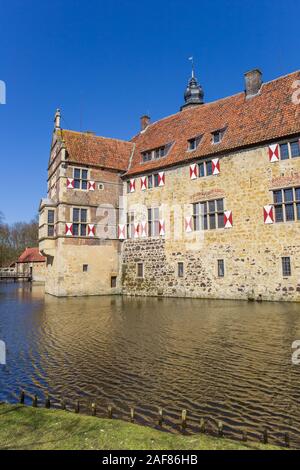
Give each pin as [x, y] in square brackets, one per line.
[188, 224]
[193, 171]
[69, 230]
[121, 231]
[91, 230]
[143, 183]
[274, 153]
[136, 230]
[132, 185]
[144, 229]
[70, 183]
[161, 178]
[268, 214]
[91, 185]
[162, 228]
[228, 219]
[215, 166]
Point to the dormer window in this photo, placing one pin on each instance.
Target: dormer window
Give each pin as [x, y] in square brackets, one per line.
[193, 143]
[157, 153]
[218, 135]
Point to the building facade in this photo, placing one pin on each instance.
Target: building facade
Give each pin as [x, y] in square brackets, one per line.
[204, 203]
[32, 264]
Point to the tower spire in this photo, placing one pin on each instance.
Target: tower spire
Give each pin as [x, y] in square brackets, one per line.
[194, 94]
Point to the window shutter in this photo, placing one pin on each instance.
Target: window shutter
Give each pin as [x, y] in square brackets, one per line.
[136, 230]
[228, 219]
[193, 171]
[69, 230]
[268, 214]
[161, 227]
[188, 224]
[91, 230]
[121, 231]
[215, 166]
[143, 183]
[161, 178]
[144, 226]
[132, 185]
[274, 153]
[91, 185]
[70, 183]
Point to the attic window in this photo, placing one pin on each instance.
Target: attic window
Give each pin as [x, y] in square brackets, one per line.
[218, 135]
[193, 143]
[156, 153]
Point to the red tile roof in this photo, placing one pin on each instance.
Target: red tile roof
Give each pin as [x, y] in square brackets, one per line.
[267, 116]
[89, 149]
[31, 255]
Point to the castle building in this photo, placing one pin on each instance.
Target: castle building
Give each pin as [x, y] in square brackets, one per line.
[203, 203]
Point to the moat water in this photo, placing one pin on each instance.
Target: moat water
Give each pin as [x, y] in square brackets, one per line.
[219, 360]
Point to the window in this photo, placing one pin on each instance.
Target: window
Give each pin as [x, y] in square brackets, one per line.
[130, 224]
[205, 168]
[286, 204]
[79, 222]
[113, 281]
[217, 136]
[128, 186]
[289, 149]
[221, 270]
[193, 143]
[85, 268]
[286, 266]
[80, 178]
[154, 154]
[140, 270]
[50, 222]
[180, 269]
[208, 215]
[150, 181]
[153, 222]
[101, 186]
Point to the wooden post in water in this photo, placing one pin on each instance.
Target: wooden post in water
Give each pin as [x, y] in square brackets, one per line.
[183, 419]
[47, 402]
[202, 425]
[160, 417]
[94, 409]
[63, 404]
[220, 429]
[287, 440]
[265, 436]
[77, 407]
[35, 401]
[22, 397]
[110, 412]
[244, 436]
[132, 415]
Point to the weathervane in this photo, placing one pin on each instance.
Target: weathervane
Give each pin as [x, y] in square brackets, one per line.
[193, 71]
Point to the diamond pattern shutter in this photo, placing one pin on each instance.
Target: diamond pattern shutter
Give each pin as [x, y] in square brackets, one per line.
[121, 231]
[132, 185]
[215, 166]
[188, 224]
[162, 230]
[161, 178]
[228, 219]
[274, 153]
[193, 171]
[144, 229]
[91, 185]
[70, 183]
[69, 230]
[268, 214]
[136, 230]
[91, 230]
[143, 183]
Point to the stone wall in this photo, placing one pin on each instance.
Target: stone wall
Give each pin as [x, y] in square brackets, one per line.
[251, 250]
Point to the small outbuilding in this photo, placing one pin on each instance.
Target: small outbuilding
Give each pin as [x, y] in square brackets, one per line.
[32, 263]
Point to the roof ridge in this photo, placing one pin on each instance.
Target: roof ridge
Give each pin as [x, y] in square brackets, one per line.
[97, 136]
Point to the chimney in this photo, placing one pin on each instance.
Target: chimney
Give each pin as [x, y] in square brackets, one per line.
[145, 121]
[253, 82]
[57, 119]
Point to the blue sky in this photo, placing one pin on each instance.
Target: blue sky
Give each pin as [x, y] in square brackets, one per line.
[106, 62]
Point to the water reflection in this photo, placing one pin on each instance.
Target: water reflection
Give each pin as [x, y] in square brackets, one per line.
[219, 360]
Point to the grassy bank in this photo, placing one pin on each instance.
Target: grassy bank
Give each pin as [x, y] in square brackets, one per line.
[25, 427]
